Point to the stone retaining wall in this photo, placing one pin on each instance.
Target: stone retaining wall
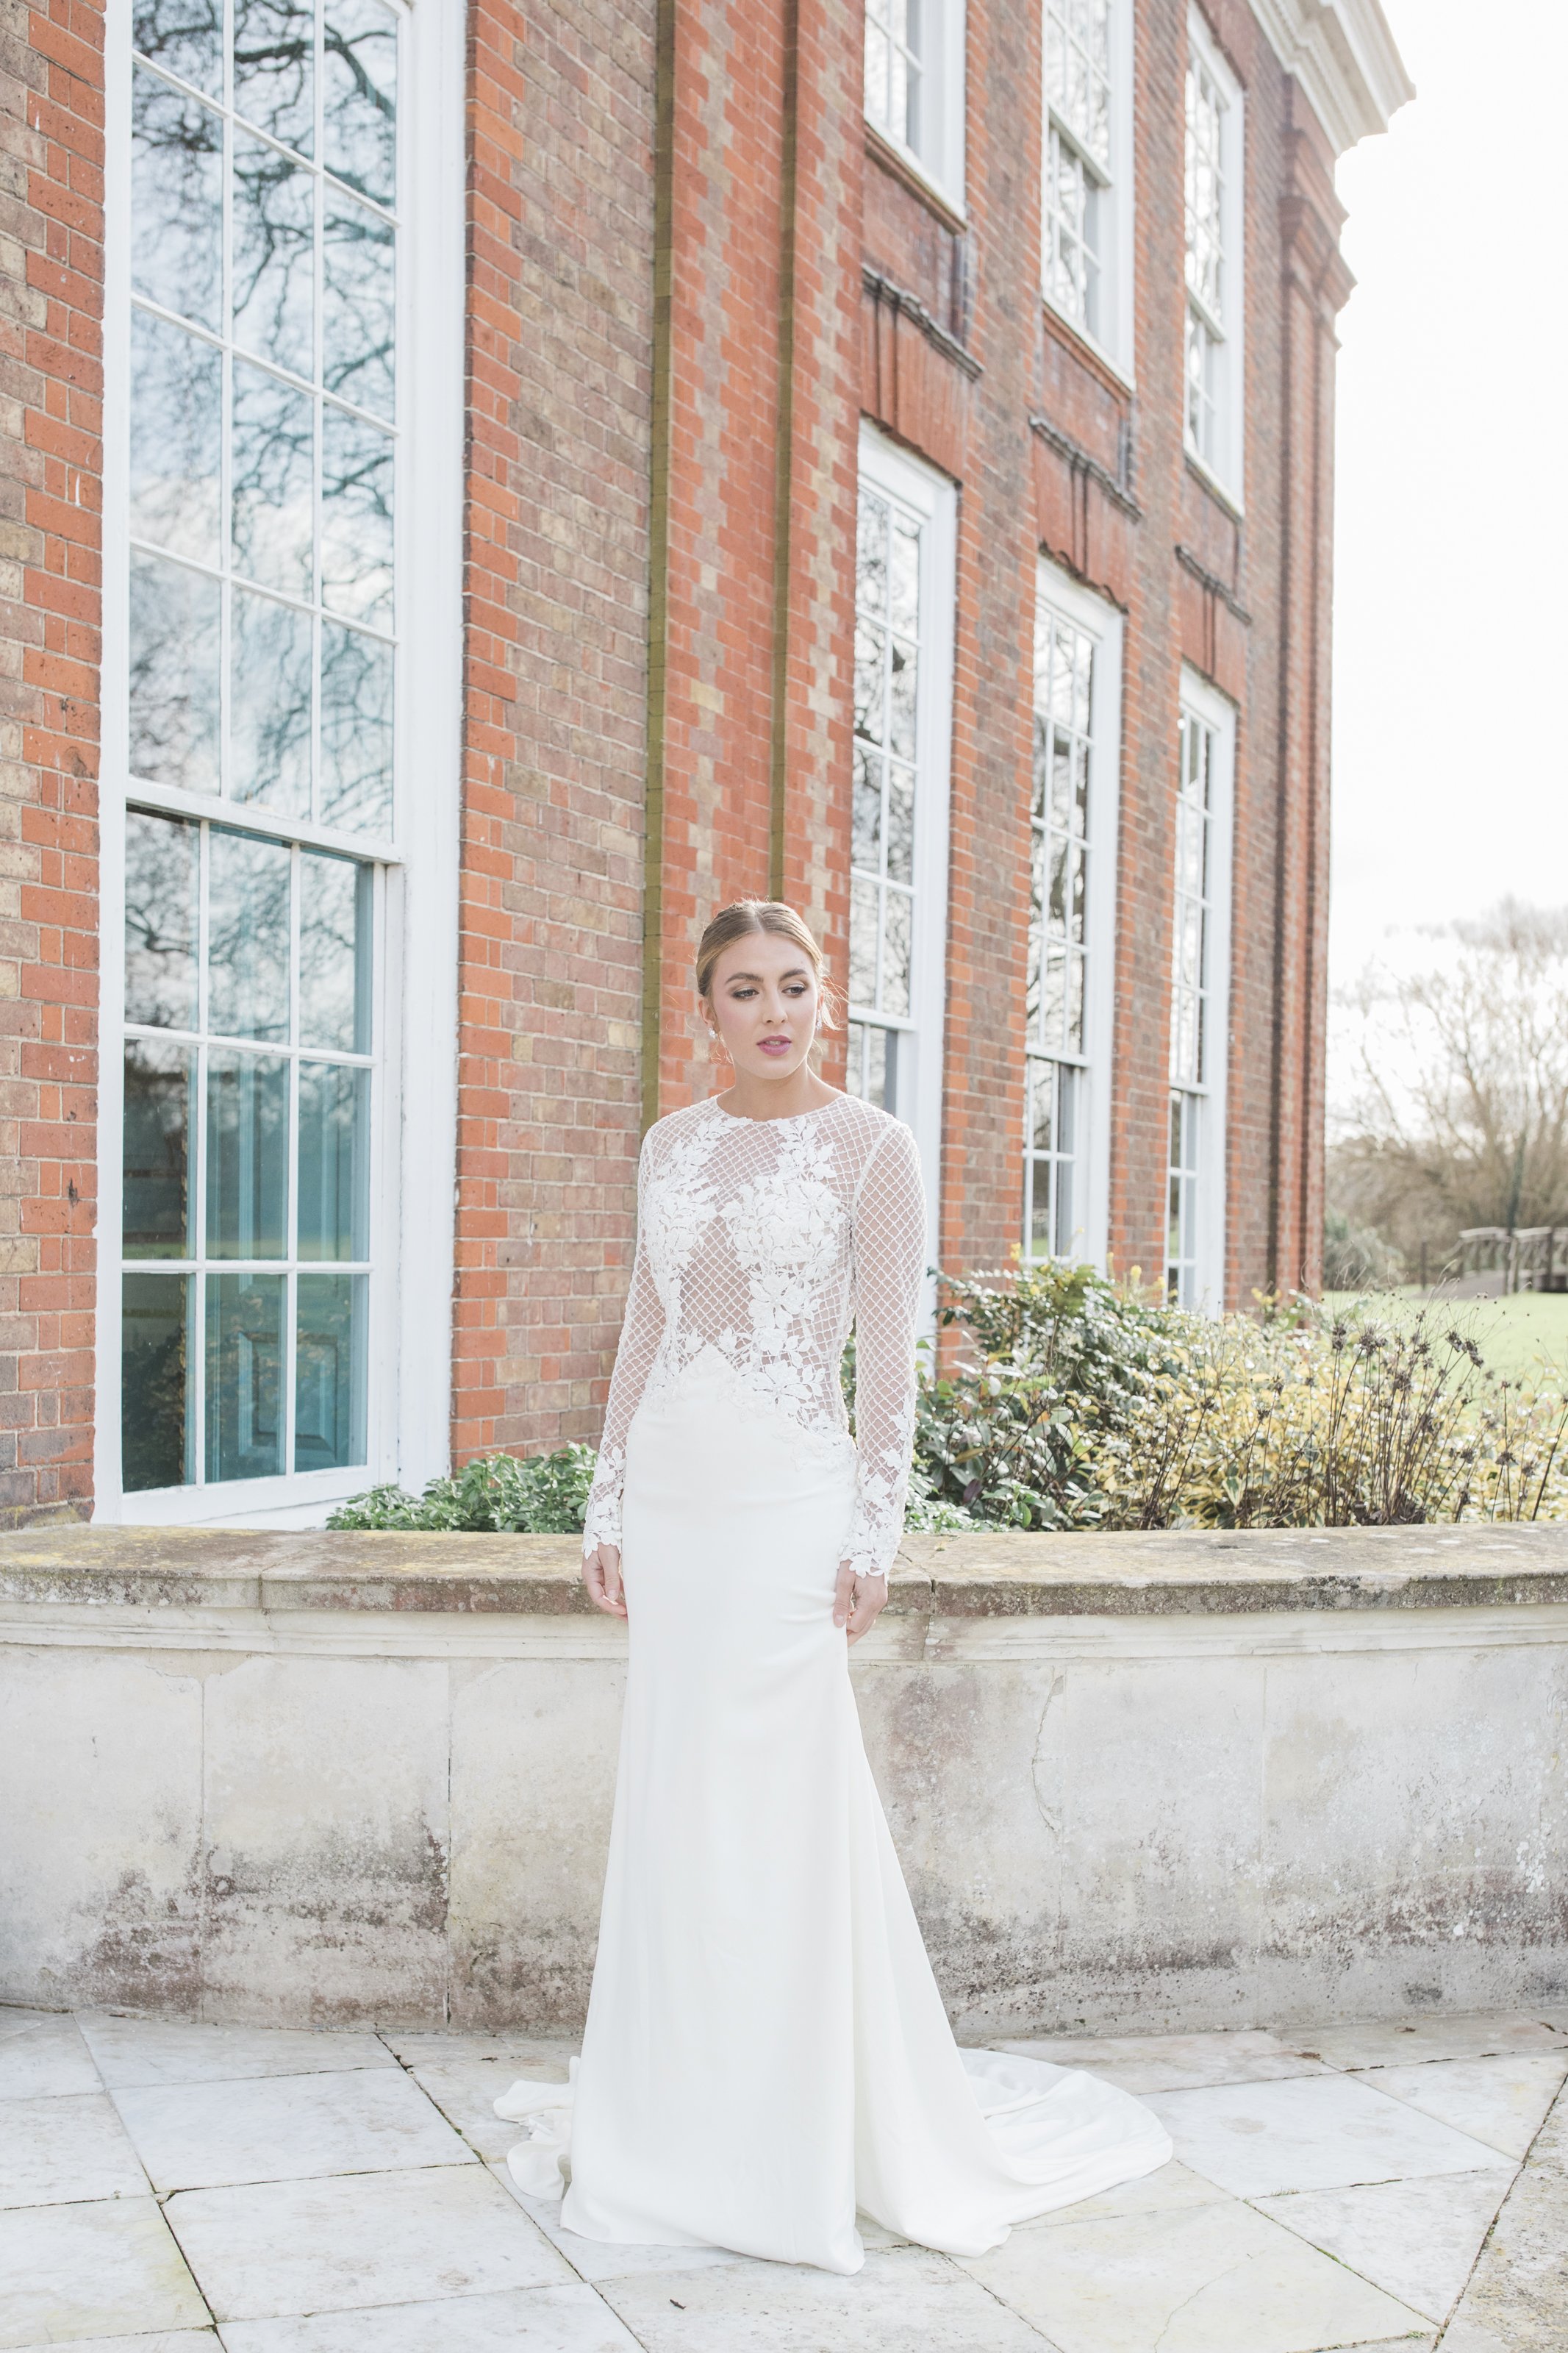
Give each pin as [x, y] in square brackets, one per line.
[1193, 1780]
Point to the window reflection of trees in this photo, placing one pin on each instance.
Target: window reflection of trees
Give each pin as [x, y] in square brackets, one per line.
[310, 523]
[357, 517]
[356, 306]
[274, 41]
[272, 246]
[270, 469]
[358, 96]
[174, 675]
[176, 245]
[356, 730]
[160, 865]
[187, 36]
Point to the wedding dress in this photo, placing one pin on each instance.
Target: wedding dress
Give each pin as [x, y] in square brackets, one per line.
[766, 2049]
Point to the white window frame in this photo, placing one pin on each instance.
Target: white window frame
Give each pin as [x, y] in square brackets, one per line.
[1112, 340]
[1099, 621]
[1204, 702]
[1226, 468]
[933, 499]
[414, 1143]
[939, 158]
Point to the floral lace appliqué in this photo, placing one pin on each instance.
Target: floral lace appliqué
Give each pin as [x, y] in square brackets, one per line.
[759, 1242]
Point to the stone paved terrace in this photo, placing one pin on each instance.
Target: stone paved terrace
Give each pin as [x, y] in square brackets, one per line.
[167, 2187]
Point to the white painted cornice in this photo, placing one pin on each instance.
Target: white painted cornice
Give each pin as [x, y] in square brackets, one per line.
[1344, 55]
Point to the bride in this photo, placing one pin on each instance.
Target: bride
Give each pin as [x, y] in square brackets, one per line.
[766, 2049]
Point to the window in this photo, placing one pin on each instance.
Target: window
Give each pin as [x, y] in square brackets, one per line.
[1200, 984]
[263, 267]
[245, 1199]
[898, 881]
[1086, 213]
[1068, 993]
[914, 85]
[1214, 239]
[258, 411]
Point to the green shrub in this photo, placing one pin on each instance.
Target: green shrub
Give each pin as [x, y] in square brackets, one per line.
[1079, 1403]
[1308, 1418]
[537, 1495]
[1056, 1356]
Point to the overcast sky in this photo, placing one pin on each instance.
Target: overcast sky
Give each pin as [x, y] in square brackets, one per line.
[1451, 627]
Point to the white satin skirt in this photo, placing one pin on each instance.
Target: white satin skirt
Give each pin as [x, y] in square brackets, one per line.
[766, 2049]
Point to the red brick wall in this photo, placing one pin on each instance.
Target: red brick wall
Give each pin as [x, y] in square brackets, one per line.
[51, 366]
[802, 283]
[559, 238]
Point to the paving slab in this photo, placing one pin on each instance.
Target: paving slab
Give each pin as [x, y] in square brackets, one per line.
[43, 2056]
[274, 2250]
[901, 2301]
[523, 2053]
[1211, 2278]
[466, 2092]
[1417, 2239]
[286, 2128]
[174, 2051]
[1500, 2101]
[1402, 2042]
[519, 2321]
[162, 2340]
[1172, 2062]
[108, 2268]
[72, 2147]
[1312, 2132]
[1517, 2297]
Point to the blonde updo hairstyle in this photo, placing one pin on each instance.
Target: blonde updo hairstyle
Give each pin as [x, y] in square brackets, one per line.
[743, 920]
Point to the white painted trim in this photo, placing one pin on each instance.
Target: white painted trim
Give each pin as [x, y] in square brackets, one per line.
[1344, 55]
[1229, 470]
[934, 499]
[409, 1335]
[1102, 622]
[430, 719]
[113, 759]
[1216, 711]
[943, 76]
[1116, 346]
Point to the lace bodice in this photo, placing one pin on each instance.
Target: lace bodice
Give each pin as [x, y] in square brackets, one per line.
[758, 1242]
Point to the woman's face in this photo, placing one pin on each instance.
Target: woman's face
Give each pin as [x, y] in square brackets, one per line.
[763, 1001]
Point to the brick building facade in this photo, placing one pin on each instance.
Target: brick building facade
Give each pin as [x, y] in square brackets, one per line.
[486, 483]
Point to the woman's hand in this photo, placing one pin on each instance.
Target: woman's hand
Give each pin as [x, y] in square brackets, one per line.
[857, 1600]
[602, 1576]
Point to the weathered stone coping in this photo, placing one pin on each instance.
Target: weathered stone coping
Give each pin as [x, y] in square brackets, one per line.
[997, 1575]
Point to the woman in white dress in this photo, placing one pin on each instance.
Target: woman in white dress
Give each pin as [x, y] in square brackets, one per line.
[766, 2049]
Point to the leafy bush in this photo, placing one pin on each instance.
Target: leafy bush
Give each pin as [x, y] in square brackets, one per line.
[1310, 1420]
[540, 1495]
[1080, 1404]
[1057, 1357]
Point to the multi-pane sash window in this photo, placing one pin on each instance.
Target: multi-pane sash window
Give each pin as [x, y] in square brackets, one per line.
[262, 426]
[883, 852]
[245, 1199]
[1079, 136]
[895, 69]
[914, 84]
[1056, 997]
[1213, 258]
[263, 453]
[1191, 988]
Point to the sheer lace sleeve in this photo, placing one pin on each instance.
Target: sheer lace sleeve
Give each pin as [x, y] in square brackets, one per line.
[640, 1336]
[890, 1257]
